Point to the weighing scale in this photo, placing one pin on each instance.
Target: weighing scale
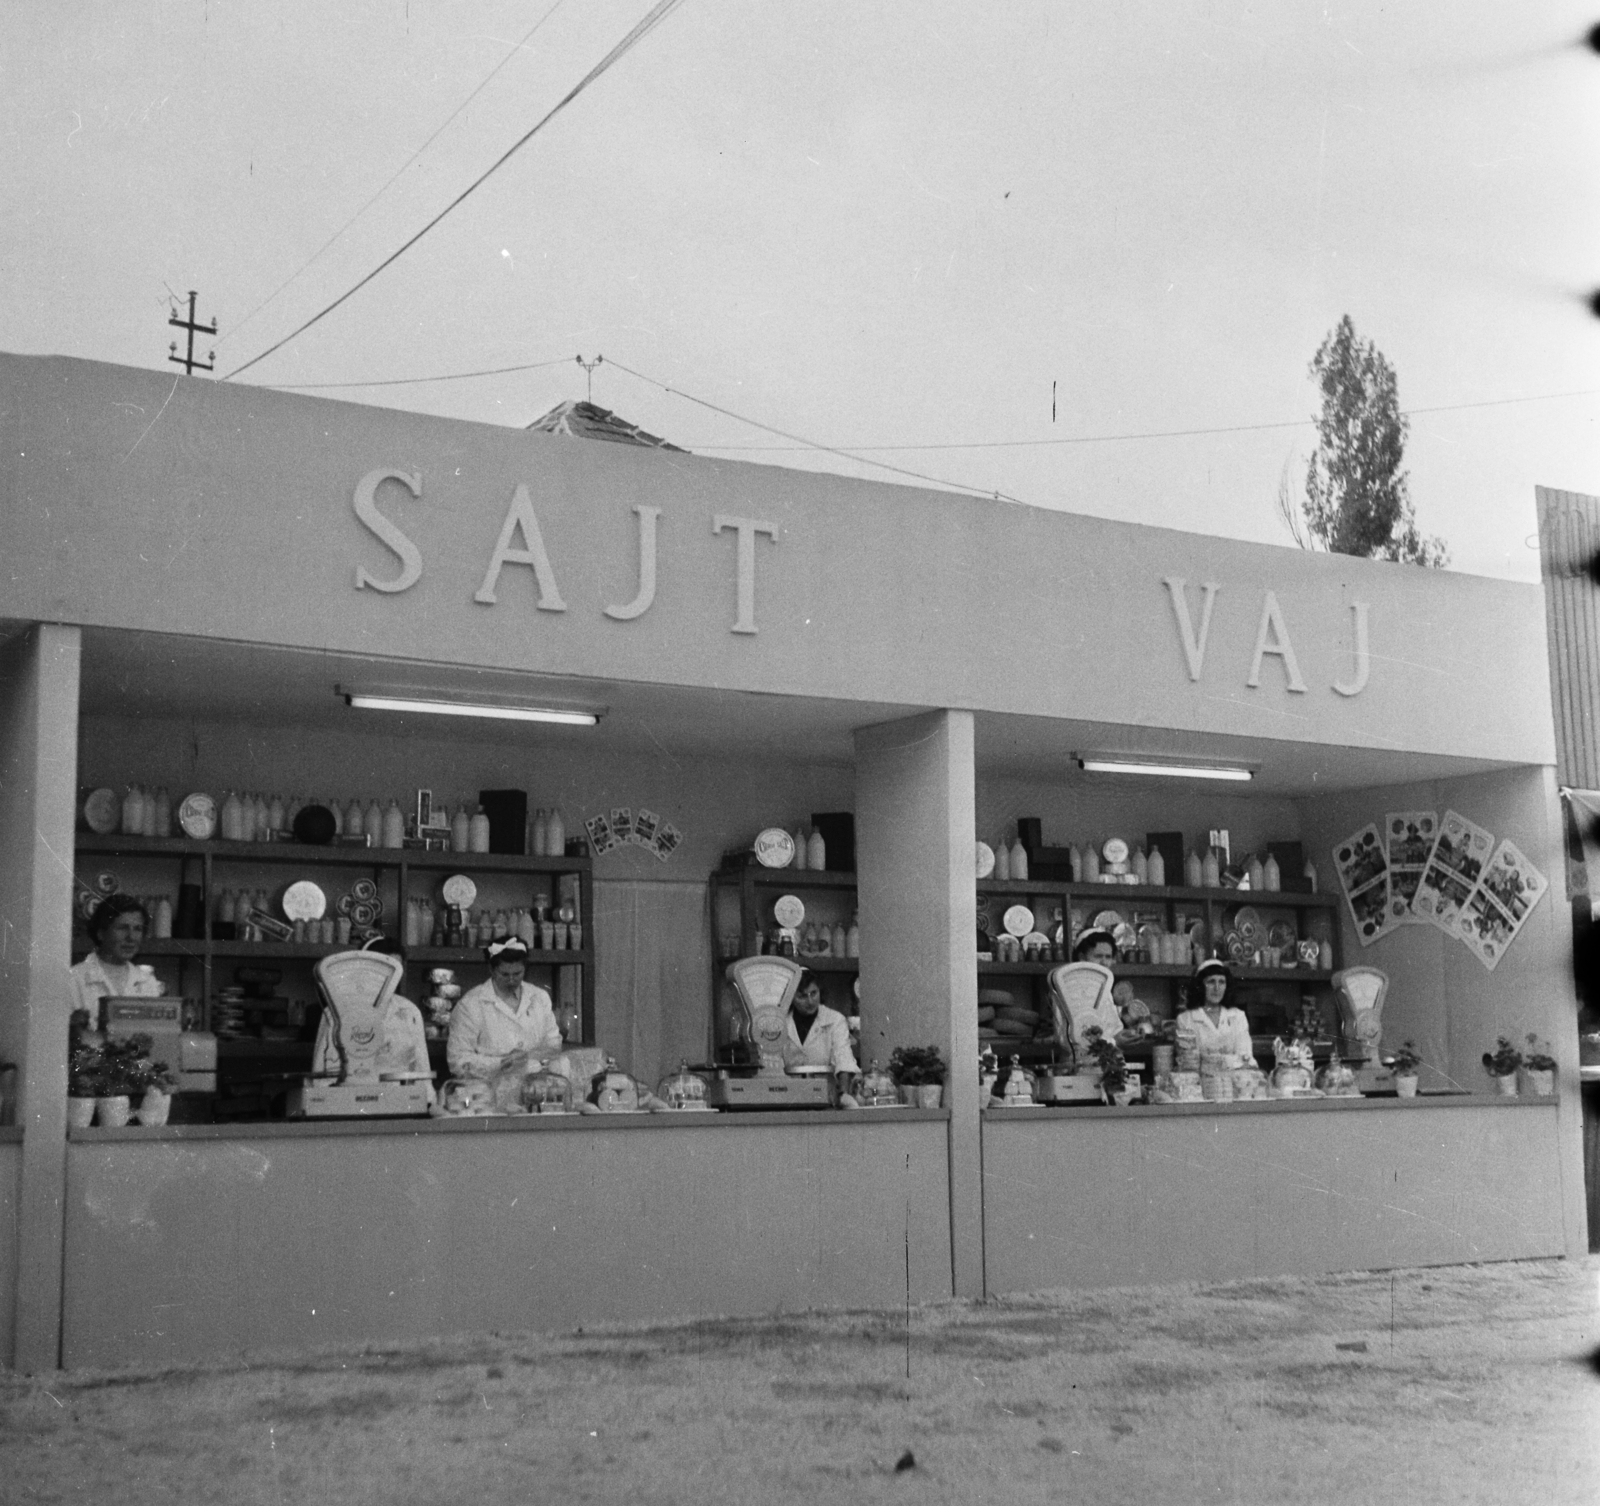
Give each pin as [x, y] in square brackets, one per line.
[765, 987]
[1081, 994]
[356, 988]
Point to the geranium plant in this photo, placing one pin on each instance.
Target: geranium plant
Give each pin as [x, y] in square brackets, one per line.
[1503, 1061]
[86, 1072]
[912, 1066]
[1538, 1058]
[1109, 1059]
[127, 1067]
[1406, 1060]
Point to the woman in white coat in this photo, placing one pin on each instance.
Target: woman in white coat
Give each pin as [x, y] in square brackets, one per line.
[1211, 1023]
[504, 1021]
[117, 928]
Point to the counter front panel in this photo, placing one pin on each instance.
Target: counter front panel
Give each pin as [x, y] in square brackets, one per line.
[1118, 1197]
[187, 1245]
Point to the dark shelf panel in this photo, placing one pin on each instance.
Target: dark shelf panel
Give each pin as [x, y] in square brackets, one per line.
[792, 878]
[297, 852]
[571, 957]
[1111, 893]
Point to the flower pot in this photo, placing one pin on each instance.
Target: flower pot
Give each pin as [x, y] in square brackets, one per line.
[1540, 1084]
[1507, 1085]
[1406, 1087]
[113, 1110]
[929, 1095]
[154, 1106]
[908, 1094]
[80, 1113]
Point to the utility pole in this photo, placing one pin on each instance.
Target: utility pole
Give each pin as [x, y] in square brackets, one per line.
[189, 362]
[588, 369]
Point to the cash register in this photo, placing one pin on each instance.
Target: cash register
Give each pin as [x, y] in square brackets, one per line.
[764, 988]
[356, 988]
[190, 1055]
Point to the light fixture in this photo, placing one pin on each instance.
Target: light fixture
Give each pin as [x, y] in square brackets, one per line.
[508, 713]
[1096, 764]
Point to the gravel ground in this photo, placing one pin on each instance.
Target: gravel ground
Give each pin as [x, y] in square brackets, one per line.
[1462, 1384]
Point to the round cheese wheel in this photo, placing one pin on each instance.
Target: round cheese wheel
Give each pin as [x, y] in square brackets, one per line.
[102, 812]
[197, 817]
[304, 900]
[985, 860]
[458, 890]
[789, 911]
[774, 848]
[1018, 920]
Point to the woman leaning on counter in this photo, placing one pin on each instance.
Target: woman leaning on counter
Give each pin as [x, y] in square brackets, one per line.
[503, 1021]
[117, 928]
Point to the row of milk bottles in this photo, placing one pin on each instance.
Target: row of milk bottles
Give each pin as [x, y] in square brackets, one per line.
[809, 852]
[1011, 862]
[253, 817]
[427, 924]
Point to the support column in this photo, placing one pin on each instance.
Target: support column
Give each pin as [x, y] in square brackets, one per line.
[38, 796]
[917, 894]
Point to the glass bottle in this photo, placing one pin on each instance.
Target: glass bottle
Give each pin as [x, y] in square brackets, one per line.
[1156, 869]
[541, 834]
[555, 834]
[1002, 859]
[460, 829]
[478, 832]
[1019, 860]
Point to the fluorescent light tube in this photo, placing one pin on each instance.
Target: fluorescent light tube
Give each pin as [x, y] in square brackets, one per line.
[466, 708]
[1163, 770]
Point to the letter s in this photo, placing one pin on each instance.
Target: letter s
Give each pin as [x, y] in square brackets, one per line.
[366, 506]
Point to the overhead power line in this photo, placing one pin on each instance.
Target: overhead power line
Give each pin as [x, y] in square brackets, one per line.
[454, 376]
[657, 15]
[439, 131]
[962, 486]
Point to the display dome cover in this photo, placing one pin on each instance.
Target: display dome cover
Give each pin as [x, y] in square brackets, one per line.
[613, 1091]
[546, 1092]
[683, 1089]
[877, 1089]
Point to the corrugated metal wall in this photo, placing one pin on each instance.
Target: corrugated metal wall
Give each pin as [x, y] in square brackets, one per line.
[1569, 538]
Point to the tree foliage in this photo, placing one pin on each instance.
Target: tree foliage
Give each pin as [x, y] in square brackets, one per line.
[1357, 498]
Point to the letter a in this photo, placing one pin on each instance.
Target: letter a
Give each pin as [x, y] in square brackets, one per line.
[1272, 620]
[1194, 650]
[520, 515]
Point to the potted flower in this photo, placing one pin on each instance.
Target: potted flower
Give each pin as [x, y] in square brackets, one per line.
[1404, 1067]
[1112, 1064]
[1540, 1068]
[85, 1082]
[918, 1071]
[1501, 1064]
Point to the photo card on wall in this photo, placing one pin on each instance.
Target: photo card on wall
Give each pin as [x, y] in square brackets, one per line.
[1496, 910]
[1459, 854]
[1363, 867]
[1410, 836]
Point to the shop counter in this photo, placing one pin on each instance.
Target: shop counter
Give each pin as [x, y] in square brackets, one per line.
[1216, 1192]
[195, 1242]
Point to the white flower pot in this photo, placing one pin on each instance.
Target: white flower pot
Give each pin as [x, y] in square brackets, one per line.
[80, 1113]
[1540, 1084]
[113, 1110]
[154, 1106]
[1406, 1087]
[929, 1095]
[1507, 1085]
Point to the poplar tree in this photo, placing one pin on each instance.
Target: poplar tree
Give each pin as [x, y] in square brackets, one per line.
[1357, 498]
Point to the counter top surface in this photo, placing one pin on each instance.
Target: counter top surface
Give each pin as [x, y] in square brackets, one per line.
[282, 1129]
[1423, 1102]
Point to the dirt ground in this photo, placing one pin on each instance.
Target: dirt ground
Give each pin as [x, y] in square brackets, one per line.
[1464, 1384]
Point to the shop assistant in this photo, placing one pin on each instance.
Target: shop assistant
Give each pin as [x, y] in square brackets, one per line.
[117, 928]
[818, 1036]
[504, 1022]
[1210, 1021]
[404, 1046]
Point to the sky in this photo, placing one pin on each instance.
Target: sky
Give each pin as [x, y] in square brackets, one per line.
[1013, 247]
